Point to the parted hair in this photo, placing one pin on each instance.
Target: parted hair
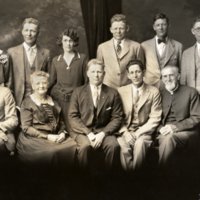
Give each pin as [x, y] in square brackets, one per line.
[70, 33]
[135, 62]
[118, 18]
[39, 74]
[31, 21]
[195, 20]
[95, 62]
[160, 16]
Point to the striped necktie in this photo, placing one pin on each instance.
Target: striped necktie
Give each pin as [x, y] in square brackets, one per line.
[31, 56]
[119, 48]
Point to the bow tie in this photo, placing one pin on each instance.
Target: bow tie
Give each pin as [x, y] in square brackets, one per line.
[160, 41]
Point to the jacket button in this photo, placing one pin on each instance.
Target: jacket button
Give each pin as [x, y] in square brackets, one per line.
[118, 74]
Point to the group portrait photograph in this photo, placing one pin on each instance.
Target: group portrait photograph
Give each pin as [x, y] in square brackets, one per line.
[99, 99]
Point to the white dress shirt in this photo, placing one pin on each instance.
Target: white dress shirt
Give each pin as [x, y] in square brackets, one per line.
[161, 47]
[92, 89]
[28, 50]
[121, 44]
[140, 89]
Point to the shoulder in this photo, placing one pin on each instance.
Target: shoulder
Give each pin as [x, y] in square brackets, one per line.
[176, 43]
[81, 89]
[13, 49]
[190, 49]
[188, 90]
[151, 88]
[147, 42]
[133, 43]
[46, 51]
[122, 89]
[27, 102]
[4, 91]
[56, 58]
[104, 44]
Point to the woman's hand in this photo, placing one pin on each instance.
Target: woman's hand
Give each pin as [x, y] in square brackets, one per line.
[53, 138]
[61, 137]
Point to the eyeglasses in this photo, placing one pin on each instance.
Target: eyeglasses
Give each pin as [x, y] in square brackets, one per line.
[197, 30]
[171, 76]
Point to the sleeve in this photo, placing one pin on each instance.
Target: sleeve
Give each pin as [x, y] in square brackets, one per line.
[61, 125]
[84, 67]
[140, 54]
[154, 117]
[183, 70]
[180, 52]
[11, 120]
[100, 54]
[27, 120]
[53, 74]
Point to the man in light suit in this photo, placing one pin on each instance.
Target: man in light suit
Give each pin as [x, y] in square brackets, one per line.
[190, 65]
[117, 52]
[180, 117]
[160, 51]
[142, 107]
[95, 115]
[27, 58]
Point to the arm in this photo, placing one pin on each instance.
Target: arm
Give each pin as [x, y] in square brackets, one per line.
[140, 54]
[53, 74]
[85, 62]
[8, 70]
[100, 54]
[183, 70]
[10, 121]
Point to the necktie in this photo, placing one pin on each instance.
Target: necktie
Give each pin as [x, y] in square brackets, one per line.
[160, 41]
[95, 96]
[119, 47]
[136, 96]
[31, 56]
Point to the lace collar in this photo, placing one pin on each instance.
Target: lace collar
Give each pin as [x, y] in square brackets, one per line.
[38, 103]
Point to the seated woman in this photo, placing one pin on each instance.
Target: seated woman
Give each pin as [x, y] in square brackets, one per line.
[43, 139]
[68, 71]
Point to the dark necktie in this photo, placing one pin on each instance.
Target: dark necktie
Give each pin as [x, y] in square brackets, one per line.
[119, 48]
[160, 41]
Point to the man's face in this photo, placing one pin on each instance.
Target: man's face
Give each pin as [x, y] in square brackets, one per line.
[30, 33]
[119, 29]
[161, 27]
[196, 31]
[96, 74]
[170, 78]
[135, 74]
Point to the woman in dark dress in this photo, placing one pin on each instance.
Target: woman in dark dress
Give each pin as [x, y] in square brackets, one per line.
[43, 139]
[68, 71]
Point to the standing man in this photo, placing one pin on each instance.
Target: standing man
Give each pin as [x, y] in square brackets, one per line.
[117, 52]
[95, 115]
[190, 65]
[180, 117]
[27, 58]
[142, 107]
[160, 51]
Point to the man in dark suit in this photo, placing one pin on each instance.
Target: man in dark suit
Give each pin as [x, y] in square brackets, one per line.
[117, 52]
[181, 115]
[27, 58]
[190, 65]
[95, 115]
[160, 51]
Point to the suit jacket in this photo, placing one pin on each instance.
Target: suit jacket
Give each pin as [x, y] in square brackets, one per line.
[173, 57]
[186, 106]
[188, 76]
[116, 73]
[149, 108]
[81, 111]
[42, 64]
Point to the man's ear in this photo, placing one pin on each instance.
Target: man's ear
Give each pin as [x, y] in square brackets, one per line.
[192, 30]
[178, 76]
[127, 28]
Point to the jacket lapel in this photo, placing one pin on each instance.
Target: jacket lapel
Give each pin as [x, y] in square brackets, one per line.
[40, 58]
[125, 49]
[144, 96]
[169, 50]
[103, 98]
[111, 49]
[192, 60]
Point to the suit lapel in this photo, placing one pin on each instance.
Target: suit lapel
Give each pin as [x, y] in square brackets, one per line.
[111, 49]
[144, 96]
[40, 58]
[125, 49]
[169, 50]
[192, 60]
[103, 98]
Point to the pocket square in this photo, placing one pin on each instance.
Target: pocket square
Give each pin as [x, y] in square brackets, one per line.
[109, 108]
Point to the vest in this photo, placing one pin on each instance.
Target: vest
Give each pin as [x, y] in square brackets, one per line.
[197, 69]
[28, 71]
[161, 59]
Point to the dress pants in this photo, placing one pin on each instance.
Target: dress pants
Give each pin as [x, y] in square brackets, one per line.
[8, 145]
[133, 157]
[109, 147]
[168, 144]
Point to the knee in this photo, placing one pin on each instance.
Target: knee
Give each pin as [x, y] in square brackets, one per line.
[85, 147]
[168, 139]
[114, 147]
[139, 143]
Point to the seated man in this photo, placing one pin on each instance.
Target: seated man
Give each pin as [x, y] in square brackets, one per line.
[142, 107]
[95, 115]
[8, 121]
[181, 115]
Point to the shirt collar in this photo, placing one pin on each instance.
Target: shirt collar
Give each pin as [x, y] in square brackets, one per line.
[172, 92]
[34, 47]
[116, 41]
[140, 89]
[160, 43]
[92, 87]
[38, 102]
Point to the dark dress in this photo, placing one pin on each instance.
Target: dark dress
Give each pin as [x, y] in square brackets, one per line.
[33, 146]
[66, 79]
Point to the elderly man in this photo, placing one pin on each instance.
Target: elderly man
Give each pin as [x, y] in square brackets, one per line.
[190, 65]
[27, 58]
[142, 107]
[160, 51]
[95, 115]
[8, 121]
[117, 52]
[181, 115]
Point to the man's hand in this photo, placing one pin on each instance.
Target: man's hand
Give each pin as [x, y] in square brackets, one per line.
[3, 136]
[91, 137]
[99, 139]
[168, 129]
[61, 138]
[52, 137]
[129, 138]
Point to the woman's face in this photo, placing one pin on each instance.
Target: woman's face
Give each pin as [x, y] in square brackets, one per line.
[40, 85]
[67, 43]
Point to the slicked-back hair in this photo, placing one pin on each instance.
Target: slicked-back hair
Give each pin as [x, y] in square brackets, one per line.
[135, 62]
[95, 62]
[31, 21]
[118, 18]
[160, 16]
[39, 74]
[195, 20]
[70, 33]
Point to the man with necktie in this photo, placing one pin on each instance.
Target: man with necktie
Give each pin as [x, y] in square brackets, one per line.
[160, 51]
[190, 65]
[27, 58]
[117, 52]
[95, 115]
[142, 108]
